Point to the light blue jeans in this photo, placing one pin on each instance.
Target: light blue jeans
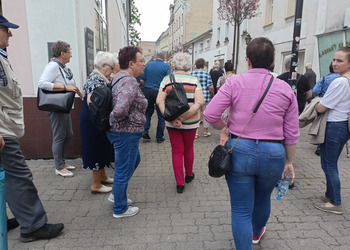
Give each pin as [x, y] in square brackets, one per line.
[337, 134]
[127, 158]
[256, 168]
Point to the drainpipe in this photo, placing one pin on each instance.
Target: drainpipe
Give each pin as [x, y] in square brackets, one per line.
[296, 40]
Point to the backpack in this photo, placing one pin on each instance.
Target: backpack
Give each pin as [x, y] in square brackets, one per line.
[101, 106]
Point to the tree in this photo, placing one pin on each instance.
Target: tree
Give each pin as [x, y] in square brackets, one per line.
[235, 12]
[134, 35]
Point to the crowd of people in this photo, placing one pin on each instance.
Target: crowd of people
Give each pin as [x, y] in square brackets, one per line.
[264, 143]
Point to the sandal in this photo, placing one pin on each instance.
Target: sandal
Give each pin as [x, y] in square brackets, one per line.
[206, 134]
[197, 136]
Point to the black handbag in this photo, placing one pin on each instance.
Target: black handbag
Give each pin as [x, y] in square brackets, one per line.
[55, 101]
[176, 101]
[220, 159]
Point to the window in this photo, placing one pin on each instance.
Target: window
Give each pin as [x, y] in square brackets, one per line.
[182, 18]
[101, 40]
[227, 28]
[290, 8]
[269, 12]
[218, 34]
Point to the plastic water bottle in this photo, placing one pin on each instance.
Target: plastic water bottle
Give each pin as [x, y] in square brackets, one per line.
[283, 186]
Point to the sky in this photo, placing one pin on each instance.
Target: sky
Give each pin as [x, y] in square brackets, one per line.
[155, 17]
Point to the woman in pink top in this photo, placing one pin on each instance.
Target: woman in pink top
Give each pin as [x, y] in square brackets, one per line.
[266, 147]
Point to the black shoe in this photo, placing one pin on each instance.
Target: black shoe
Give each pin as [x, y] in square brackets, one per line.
[180, 188]
[318, 151]
[188, 179]
[146, 138]
[12, 224]
[48, 231]
[291, 186]
[160, 140]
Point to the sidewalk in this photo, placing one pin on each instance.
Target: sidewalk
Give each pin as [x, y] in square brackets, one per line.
[199, 218]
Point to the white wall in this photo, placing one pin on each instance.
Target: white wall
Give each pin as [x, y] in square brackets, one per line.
[43, 21]
[50, 21]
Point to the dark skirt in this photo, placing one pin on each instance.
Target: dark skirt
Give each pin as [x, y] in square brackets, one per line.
[97, 151]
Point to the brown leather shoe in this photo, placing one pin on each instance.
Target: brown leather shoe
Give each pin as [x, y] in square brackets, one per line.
[334, 209]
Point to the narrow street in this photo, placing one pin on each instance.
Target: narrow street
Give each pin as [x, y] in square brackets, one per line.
[197, 219]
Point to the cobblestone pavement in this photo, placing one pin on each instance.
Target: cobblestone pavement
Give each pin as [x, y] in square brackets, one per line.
[199, 218]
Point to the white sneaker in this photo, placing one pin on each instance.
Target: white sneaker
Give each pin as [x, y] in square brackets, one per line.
[130, 212]
[111, 199]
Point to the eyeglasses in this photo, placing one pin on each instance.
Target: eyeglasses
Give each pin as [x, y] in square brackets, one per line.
[6, 29]
[112, 68]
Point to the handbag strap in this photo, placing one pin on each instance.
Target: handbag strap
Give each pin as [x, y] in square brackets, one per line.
[62, 75]
[254, 112]
[172, 80]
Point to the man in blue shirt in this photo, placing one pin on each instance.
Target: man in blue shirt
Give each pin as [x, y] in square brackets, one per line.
[151, 78]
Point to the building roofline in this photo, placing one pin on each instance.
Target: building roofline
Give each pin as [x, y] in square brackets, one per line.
[201, 36]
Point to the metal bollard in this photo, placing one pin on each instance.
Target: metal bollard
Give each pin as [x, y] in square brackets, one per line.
[3, 217]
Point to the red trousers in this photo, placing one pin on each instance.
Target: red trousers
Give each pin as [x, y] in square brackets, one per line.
[182, 153]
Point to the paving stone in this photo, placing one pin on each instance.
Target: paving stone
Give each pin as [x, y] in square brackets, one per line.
[199, 218]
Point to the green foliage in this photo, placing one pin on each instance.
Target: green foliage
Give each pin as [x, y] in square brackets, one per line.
[134, 35]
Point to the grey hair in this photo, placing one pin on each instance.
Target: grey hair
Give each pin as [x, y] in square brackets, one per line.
[287, 61]
[217, 63]
[182, 61]
[308, 65]
[161, 54]
[116, 57]
[103, 57]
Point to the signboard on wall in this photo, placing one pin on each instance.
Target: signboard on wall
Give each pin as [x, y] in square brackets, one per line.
[89, 50]
[49, 51]
[327, 46]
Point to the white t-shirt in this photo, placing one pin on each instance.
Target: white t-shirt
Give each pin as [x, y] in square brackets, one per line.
[337, 99]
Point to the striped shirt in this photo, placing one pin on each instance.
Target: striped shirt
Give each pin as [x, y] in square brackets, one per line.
[206, 82]
[191, 85]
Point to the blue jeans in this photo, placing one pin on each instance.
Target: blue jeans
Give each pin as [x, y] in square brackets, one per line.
[256, 168]
[127, 158]
[337, 134]
[151, 96]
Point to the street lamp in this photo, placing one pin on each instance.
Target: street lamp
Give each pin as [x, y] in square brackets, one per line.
[248, 39]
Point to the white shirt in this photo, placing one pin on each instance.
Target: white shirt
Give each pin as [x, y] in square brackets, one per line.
[337, 99]
[52, 75]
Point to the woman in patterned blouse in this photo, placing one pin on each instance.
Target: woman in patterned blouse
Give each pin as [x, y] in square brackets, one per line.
[97, 151]
[127, 120]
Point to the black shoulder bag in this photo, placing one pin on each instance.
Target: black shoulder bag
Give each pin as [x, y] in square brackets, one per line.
[220, 159]
[55, 101]
[176, 101]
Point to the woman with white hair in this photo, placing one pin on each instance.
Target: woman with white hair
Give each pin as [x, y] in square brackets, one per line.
[97, 151]
[182, 130]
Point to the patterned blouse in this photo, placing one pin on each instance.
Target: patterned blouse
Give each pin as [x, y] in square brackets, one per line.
[129, 105]
[95, 80]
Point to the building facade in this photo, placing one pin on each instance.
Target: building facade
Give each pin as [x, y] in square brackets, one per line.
[88, 26]
[188, 19]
